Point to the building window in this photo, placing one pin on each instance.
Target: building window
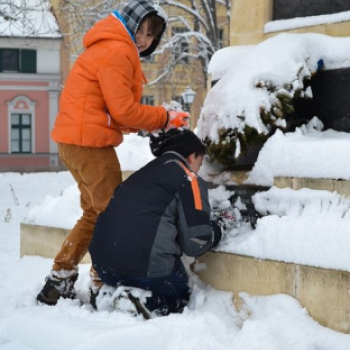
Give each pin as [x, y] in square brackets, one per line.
[147, 100]
[285, 9]
[18, 60]
[181, 45]
[221, 38]
[21, 133]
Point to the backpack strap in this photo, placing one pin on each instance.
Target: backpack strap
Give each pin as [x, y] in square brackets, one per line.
[192, 177]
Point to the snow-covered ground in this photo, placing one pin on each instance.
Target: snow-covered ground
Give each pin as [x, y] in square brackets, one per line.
[209, 322]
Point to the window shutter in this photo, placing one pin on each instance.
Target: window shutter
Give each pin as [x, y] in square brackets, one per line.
[28, 61]
[1, 60]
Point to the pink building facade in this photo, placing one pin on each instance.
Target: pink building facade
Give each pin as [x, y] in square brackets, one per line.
[30, 84]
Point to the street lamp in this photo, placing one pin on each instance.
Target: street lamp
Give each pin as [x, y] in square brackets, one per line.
[188, 97]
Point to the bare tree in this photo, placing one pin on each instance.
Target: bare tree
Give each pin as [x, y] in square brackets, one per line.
[27, 18]
[76, 17]
[196, 27]
[196, 31]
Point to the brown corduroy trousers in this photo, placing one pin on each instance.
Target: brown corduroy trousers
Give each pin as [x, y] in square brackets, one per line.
[97, 173]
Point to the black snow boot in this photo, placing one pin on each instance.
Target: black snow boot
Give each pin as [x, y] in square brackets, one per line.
[94, 292]
[140, 307]
[56, 288]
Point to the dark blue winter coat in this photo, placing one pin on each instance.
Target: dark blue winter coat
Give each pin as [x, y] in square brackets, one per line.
[156, 215]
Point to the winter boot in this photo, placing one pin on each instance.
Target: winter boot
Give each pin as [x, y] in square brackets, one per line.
[93, 297]
[127, 300]
[56, 288]
[131, 301]
[95, 287]
[140, 307]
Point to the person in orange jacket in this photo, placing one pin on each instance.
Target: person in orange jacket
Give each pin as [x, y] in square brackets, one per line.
[101, 101]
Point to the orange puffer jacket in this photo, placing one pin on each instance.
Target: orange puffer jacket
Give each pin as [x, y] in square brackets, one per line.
[101, 98]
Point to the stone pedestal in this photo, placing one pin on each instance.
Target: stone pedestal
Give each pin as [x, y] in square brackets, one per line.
[324, 293]
[43, 241]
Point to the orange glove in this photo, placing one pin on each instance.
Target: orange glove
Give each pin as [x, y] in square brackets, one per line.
[177, 119]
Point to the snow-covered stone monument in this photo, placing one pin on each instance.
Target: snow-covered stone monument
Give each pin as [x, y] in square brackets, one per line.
[300, 243]
[265, 130]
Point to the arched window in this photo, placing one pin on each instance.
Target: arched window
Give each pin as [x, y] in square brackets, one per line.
[21, 122]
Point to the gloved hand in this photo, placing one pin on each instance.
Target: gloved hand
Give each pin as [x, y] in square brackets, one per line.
[227, 218]
[177, 117]
[178, 120]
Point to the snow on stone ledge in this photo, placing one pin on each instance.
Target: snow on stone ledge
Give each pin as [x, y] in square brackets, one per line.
[300, 22]
[308, 227]
[307, 153]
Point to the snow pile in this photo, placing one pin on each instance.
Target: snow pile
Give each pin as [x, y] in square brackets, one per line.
[308, 152]
[28, 18]
[62, 211]
[304, 202]
[255, 94]
[134, 152]
[309, 227]
[269, 324]
[225, 58]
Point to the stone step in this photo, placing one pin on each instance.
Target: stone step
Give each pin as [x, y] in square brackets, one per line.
[296, 183]
[324, 293]
[43, 241]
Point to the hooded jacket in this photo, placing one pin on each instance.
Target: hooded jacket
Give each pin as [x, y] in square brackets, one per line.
[156, 215]
[101, 97]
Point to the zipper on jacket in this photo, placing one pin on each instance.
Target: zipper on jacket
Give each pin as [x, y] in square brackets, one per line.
[109, 119]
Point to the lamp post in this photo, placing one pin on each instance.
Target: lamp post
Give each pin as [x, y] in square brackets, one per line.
[188, 97]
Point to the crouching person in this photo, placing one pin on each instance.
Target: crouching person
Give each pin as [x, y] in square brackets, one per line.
[156, 215]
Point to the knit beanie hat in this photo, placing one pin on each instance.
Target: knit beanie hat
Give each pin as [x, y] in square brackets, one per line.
[182, 141]
[135, 11]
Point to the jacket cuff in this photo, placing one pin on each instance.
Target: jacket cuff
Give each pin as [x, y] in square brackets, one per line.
[167, 119]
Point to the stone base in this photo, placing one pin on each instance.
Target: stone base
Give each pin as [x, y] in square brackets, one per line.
[324, 293]
[295, 183]
[44, 241]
